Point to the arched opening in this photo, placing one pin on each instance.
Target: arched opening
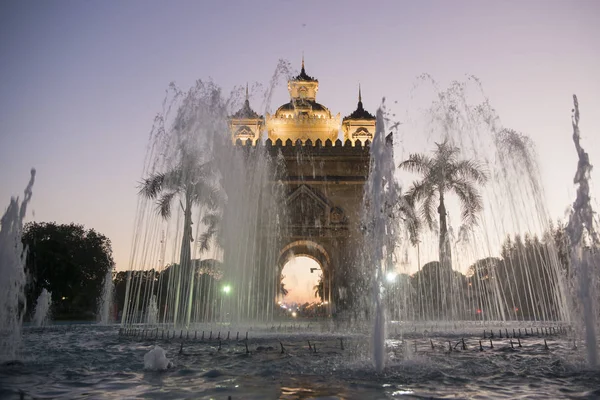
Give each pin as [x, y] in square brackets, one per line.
[301, 282]
[305, 268]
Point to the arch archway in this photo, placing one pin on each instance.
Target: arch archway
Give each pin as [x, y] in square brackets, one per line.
[315, 252]
[301, 281]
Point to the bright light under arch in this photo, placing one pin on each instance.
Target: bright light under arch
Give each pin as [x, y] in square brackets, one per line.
[300, 281]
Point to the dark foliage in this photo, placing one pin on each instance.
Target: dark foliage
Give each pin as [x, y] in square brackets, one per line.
[148, 283]
[70, 262]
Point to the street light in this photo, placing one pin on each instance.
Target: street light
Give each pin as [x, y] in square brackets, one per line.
[391, 276]
[226, 289]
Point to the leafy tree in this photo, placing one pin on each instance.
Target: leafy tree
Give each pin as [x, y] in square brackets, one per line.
[148, 283]
[145, 283]
[440, 291]
[530, 272]
[442, 174]
[484, 287]
[68, 261]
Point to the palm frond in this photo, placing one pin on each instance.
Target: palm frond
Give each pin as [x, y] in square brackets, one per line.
[406, 207]
[205, 194]
[151, 187]
[428, 212]
[471, 170]
[205, 238]
[211, 220]
[471, 202]
[417, 163]
[423, 192]
[164, 204]
[446, 150]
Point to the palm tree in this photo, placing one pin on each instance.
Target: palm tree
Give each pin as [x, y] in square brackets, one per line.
[404, 208]
[444, 173]
[282, 290]
[189, 182]
[319, 289]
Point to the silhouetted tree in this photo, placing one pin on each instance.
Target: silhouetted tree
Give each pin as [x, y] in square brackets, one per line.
[189, 182]
[530, 275]
[442, 174]
[485, 289]
[319, 289]
[282, 290]
[69, 261]
[441, 291]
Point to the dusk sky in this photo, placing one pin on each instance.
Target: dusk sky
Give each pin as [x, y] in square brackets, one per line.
[83, 80]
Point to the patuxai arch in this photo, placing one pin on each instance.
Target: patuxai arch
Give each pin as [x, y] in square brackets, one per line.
[322, 179]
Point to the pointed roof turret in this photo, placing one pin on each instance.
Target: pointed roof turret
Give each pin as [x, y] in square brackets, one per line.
[246, 112]
[303, 76]
[360, 112]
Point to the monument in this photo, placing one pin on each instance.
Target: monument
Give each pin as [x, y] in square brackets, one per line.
[322, 178]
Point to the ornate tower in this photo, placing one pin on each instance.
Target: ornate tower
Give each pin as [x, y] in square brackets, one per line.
[246, 123]
[314, 190]
[360, 125]
[303, 118]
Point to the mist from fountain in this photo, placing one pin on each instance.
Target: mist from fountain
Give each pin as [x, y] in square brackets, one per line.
[508, 277]
[12, 271]
[585, 246]
[152, 312]
[380, 193]
[156, 360]
[197, 274]
[105, 303]
[201, 263]
[42, 315]
[220, 192]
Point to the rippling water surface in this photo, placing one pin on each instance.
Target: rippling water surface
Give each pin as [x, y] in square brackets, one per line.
[80, 361]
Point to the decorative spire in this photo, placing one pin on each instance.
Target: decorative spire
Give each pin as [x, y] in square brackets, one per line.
[359, 94]
[303, 76]
[360, 112]
[246, 112]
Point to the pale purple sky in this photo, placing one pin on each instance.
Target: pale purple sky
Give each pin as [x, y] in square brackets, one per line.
[82, 80]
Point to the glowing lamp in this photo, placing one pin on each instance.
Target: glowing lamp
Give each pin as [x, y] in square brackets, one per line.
[391, 276]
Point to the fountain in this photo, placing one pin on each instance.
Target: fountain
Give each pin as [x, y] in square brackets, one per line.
[152, 311]
[41, 316]
[216, 199]
[12, 265]
[430, 289]
[105, 302]
[156, 360]
[585, 244]
[380, 191]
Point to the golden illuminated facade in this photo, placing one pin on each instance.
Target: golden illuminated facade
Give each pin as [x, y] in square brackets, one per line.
[246, 124]
[360, 125]
[302, 119]
[321, 180]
